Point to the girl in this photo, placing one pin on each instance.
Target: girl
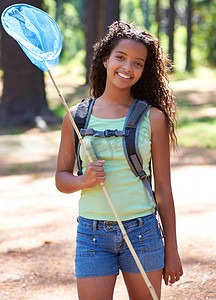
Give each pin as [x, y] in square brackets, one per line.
[127, 64]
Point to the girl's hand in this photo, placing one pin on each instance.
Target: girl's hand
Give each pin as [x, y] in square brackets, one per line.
[173, 268]
[94, 174]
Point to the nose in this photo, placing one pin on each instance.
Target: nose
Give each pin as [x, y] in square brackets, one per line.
[127, 65]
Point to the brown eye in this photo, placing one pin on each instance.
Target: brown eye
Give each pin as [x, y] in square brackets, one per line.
[138, 64]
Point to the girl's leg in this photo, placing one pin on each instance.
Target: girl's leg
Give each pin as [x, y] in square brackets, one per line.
[96, 288]
[137, 289]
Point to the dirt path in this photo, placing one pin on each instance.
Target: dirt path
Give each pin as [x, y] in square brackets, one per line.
[38, 224]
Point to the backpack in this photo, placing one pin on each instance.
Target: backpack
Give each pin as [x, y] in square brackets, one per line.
[136, 113]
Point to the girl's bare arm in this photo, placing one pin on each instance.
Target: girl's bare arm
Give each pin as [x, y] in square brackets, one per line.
[163, 191]
[66, 181]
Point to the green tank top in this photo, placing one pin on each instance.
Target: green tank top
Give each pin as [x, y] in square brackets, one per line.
[128, 193]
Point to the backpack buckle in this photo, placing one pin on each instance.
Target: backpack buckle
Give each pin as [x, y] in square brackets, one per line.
[109, 132]
[127, 132]
[142, 174]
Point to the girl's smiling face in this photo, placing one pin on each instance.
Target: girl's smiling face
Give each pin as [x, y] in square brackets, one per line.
[126, 63]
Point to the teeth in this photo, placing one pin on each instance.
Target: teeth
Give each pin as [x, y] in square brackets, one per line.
[124, 76]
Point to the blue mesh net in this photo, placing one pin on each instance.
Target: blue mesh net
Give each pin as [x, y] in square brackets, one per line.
[36, 32]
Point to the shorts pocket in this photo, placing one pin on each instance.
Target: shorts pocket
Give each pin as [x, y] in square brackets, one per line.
[151, 242]
[85, 245]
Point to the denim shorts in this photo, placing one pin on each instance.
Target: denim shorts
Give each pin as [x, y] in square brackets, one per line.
[101, 249]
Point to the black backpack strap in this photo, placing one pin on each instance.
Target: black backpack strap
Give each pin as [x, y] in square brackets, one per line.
[81, 115]
[136, 113]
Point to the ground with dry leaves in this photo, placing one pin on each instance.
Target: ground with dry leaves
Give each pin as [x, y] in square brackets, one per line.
[38, 224]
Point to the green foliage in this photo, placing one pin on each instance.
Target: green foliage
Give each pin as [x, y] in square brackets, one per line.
[72, 33]
[198, 132]
[50, 7]
[196, 108]
[130, 11]
[211, 40]
[139, 11]
[180, 48]
[21, 168]
[204, 28]
[68, 17]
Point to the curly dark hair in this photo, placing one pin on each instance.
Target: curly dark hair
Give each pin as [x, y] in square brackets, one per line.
[152, 85]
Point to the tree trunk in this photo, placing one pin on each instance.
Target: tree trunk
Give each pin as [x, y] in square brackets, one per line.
[171, 28]
[189, 34]
[112, 12]
[59, 8]
[145, 10]
[100, 14]
[91, 31]
[158, 18]
[23, 96]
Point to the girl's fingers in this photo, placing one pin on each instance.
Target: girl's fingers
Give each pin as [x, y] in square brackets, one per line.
[166, 279]
[97, 167]
[172, 277]
[169, 277]
[94, 173]
[101, 179]
[177, 277]
[179, 274]
[97, 170]
[99, 162]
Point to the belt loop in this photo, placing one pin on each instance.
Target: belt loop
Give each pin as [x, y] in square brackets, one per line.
[140, 222]
[95, 225]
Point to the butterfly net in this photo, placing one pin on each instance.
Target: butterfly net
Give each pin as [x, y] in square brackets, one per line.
[36, 32]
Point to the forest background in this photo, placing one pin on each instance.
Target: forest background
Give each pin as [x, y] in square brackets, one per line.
[186, 30]
[37, 224]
